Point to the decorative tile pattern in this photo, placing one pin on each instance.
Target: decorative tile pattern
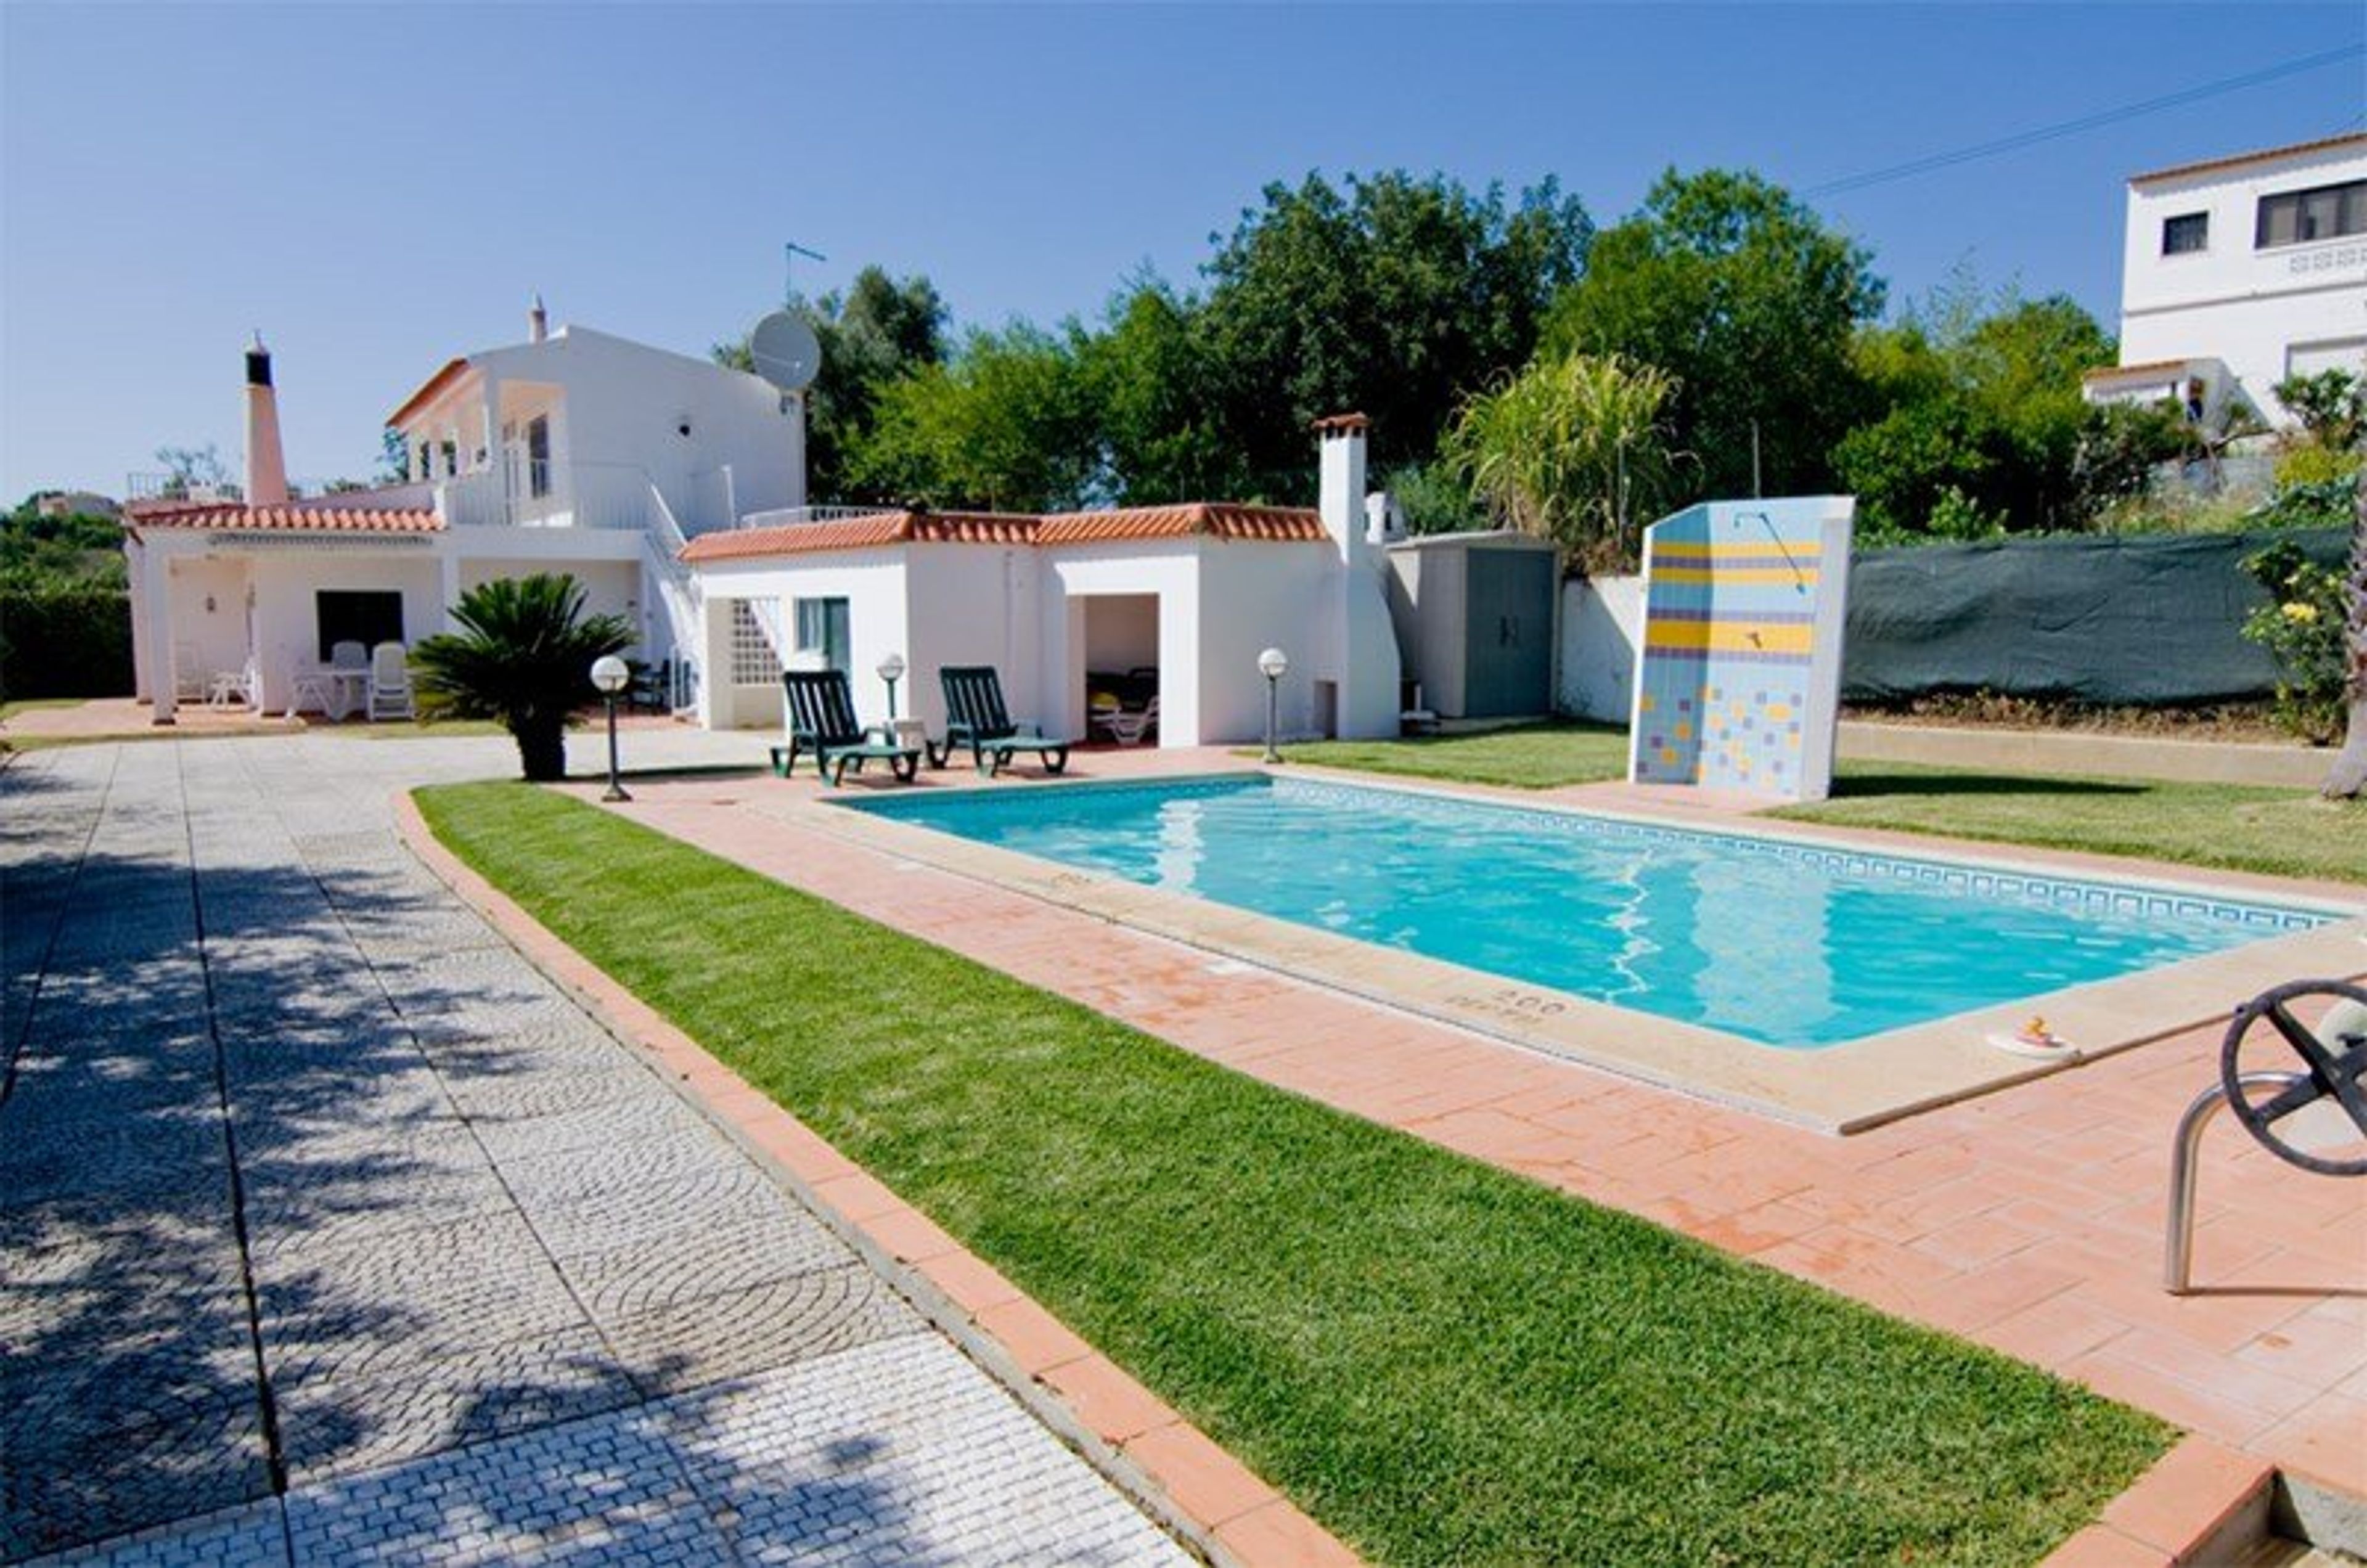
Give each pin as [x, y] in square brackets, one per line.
[482, 1236]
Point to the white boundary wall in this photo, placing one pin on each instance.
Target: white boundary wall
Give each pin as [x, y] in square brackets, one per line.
[1602, 626]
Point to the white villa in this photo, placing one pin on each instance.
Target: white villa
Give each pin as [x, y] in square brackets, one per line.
[2239, 272]
[675, 489]
[572, 451]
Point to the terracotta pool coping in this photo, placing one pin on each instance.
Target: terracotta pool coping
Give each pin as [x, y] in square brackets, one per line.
[1843, 1088]
[1172, 1469]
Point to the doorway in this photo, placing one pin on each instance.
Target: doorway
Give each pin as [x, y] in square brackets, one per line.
[1121, 667]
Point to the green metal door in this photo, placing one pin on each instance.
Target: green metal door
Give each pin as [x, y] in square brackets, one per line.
[1508, 661]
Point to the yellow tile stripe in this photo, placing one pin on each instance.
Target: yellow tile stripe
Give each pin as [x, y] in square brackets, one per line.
[1730, 636]
[1690, 553]
[1805, 575]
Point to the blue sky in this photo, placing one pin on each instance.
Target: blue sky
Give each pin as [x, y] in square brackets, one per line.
[380, 187]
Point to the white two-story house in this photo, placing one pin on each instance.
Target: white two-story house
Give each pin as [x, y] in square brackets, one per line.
[2239, 272]
[573, 451]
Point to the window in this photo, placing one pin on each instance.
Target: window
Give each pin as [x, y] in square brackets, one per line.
[822, 628]
[369, 618]
[2186, 233]
[2297, 216]
[537, 455]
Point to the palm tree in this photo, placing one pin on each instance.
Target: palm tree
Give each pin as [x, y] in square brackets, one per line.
[523, 656]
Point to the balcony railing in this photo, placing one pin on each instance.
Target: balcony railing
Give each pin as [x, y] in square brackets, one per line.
[178, 487]
[540, 494]
[789, 516]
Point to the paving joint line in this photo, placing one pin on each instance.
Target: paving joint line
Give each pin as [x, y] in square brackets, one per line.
[57, 923]
[275, 1459]
[647, 1396]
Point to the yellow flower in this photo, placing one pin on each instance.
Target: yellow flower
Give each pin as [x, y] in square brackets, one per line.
[2299, 610]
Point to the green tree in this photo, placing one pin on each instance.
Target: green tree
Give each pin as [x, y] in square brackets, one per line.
[1982, 410]
[77, 550]
[880, 330]
[1150, 379]
[523, 656]
[191, 468]
[1741, 293]
[1392, 295]
[1010, 425]
[1574, 450]
[2331, 406]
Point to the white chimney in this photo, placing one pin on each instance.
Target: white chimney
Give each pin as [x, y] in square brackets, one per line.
[537, 321]
[266, 469]
[1341, 494]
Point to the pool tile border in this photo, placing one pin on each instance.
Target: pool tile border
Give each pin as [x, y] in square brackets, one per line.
[1173, 1472]
[1841, 1088]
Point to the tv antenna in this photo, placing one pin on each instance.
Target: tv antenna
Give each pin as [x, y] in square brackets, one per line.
[790, 252]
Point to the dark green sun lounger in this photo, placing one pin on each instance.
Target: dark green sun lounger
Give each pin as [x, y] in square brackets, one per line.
[822, 722]
[976, 717]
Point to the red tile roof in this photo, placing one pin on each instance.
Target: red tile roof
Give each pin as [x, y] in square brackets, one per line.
[2149, 367]
[296, 517]
[1216, 519]
[2266, 154]
[429, 390]
[1220, 520]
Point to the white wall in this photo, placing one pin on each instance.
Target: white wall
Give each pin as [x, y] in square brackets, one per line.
[1121, 632]
[625, 404]
[976, 605]
[2230, 301]
[207, 642]
[287, 616]
[1601, 625]
[1169, 568]
[1268, 596]
[873, 584]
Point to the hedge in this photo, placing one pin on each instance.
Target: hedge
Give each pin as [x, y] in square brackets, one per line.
[67, 640]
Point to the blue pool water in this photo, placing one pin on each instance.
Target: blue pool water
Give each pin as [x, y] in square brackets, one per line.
[1790, 944]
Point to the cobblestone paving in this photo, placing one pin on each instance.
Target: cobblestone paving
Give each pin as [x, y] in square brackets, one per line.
[330, 1232]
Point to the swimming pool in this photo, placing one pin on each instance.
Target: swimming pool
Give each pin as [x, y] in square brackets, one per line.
[1789, 943]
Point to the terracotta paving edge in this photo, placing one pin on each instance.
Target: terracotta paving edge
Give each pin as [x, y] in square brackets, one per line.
[1169, 1469]
[2201, 1502]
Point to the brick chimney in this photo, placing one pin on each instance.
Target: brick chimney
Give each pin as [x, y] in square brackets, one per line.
[537, 321]
[266, 469]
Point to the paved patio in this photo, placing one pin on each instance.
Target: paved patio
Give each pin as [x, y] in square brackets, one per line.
[2030, 1219]
[331, 1232]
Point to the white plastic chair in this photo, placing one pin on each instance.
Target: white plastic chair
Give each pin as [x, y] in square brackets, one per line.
[390, 682]
[1128, 729]
[231, 688]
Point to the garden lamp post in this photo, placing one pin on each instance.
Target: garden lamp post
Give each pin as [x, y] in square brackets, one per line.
[1272, 664]
[610, 674]
[891, 670]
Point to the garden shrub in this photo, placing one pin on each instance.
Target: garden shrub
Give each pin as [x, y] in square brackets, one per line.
[65, 639]
[2302, 627]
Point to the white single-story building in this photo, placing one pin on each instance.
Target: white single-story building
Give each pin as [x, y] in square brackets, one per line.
[574, 451]
[1166, 603]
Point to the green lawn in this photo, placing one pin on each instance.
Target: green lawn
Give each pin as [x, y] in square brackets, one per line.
[1535, 756]
[1441, 1362]
[2284, 832]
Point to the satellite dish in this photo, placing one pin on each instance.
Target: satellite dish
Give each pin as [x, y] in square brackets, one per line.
[785, 351]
